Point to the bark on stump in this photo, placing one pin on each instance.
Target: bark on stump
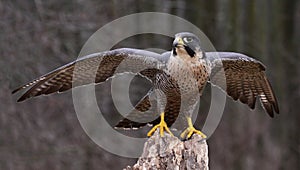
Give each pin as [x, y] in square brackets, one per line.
[171, 153]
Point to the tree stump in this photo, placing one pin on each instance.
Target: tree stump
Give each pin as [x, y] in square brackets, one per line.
[171, 153]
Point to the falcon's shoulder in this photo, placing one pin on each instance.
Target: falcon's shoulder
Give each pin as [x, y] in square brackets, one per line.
[96, 68]
[243, 78]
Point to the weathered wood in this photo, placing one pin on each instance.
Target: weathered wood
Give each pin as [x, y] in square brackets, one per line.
[171, 153]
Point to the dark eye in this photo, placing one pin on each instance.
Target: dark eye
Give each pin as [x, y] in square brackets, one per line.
[187, 39]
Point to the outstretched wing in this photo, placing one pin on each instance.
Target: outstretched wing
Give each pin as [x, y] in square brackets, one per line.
[244, 79]
[96, 68]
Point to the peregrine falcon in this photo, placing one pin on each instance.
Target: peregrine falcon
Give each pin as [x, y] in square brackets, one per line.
[178, 78]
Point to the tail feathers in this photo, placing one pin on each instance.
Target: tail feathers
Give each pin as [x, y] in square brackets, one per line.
[145, 112]
[128, 124]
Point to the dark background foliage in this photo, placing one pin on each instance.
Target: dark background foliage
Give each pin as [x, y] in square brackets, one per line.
[44, 133]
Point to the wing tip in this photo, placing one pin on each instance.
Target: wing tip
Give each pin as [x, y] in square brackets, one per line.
[22, 98]
[14, 91]
[274, 108]
[17, 89]
[271, 114]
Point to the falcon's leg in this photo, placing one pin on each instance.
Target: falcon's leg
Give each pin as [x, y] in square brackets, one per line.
[190, 130]
[162, 126]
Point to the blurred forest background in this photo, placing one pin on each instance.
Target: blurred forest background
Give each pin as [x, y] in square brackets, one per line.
[44, 133]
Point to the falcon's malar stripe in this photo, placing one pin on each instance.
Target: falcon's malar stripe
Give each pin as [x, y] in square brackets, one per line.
[191, 52]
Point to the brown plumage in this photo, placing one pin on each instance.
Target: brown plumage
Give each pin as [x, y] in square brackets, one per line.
[95, 68]
[172, 74]
[245, 79]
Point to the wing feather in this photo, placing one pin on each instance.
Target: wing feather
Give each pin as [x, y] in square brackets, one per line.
[245, 79]
[95, 68]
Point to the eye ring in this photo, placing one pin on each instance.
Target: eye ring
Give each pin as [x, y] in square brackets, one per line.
[187, 39]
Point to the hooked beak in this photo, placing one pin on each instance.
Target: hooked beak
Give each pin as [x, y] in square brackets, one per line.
[178, 42]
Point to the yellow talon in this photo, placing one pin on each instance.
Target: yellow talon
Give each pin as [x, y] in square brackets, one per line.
[188, 132]
[162, 126]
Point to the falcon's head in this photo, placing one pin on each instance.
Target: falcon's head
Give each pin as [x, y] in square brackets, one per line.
[187, 45]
